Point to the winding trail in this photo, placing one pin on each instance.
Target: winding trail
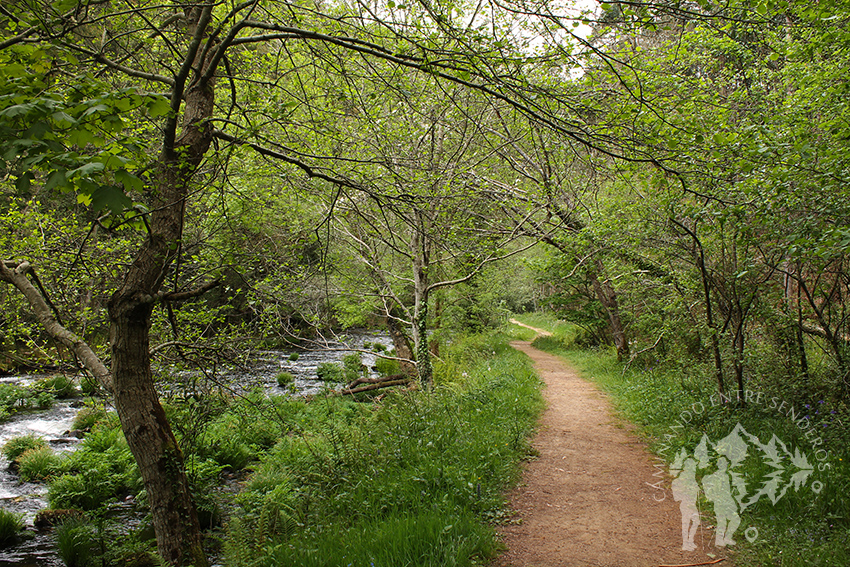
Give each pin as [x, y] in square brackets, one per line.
[587, 499]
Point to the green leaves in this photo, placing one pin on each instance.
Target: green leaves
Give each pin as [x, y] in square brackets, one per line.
[110, 197]
[71, 137]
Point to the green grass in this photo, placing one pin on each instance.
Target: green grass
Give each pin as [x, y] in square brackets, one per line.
[562, 331]
[803, 527]
[413, 480]
[11, 525]
[17, 446]
[39, 464]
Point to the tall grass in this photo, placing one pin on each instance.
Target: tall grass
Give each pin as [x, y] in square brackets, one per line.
[11, 525]
[411, 480]
[803, 527]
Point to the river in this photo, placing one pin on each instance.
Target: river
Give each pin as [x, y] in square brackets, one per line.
[54, 426]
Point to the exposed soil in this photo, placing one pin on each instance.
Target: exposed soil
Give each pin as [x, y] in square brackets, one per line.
[587, 499]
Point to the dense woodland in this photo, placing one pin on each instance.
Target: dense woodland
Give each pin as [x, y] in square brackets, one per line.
[185, 182]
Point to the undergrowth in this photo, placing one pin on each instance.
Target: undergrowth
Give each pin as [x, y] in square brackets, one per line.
[674, 406]
[412, 480]
[413, 477]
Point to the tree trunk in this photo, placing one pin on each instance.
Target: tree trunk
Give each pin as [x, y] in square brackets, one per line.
[709, 321]
[738, 357]
[419, 245]
[608, 297]
[143, 420]
[401, 343]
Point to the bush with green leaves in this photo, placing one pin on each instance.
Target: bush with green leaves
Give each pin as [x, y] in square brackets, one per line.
[17, 446]
[59, 385]
[11, 524]
[100, 470]
[285, 379]
[330, 372]
[39, 464]
[387, 366]
[14, 398]
[92, 413]
[77, 542]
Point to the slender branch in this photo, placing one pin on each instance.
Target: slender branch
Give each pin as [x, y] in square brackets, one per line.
[192, 293]
[100, 58]
[312, 173]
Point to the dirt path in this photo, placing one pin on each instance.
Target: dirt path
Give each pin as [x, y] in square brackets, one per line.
[586, 501]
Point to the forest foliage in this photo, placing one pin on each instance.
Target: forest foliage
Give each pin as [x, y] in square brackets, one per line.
[182, 180]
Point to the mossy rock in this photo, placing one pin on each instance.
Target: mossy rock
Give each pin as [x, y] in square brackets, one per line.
[50, 518]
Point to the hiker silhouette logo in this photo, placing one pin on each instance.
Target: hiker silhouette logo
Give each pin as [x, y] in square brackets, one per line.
[723, 473]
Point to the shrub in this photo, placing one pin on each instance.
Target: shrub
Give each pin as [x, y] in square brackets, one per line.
[90, 415]
[101, 469]
[236, 440]
[89, 386]
[284, 379]
[203, 478]
[10, 525]
[17, 446]
[330, 372]
[76, 541]
[352, 363]
[387, 366]
[15, 398]
[39, 464]
[60, 386]
[293, 357]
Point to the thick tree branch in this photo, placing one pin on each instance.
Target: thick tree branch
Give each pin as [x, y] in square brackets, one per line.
[192, 293]
[16, 274]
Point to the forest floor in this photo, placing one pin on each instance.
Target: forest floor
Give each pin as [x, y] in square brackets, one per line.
[587, 500]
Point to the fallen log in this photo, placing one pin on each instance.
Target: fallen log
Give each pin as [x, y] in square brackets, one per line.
[381, 380]
[374, 386]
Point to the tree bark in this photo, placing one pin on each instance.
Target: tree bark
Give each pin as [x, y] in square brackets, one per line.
[143, 420]
[401, 343]
[608, 297]
[16, 274]
[419, 245]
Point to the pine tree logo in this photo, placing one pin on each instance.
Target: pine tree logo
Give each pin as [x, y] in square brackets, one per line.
[725, 484]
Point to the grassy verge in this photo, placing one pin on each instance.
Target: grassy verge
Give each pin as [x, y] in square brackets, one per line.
[674, 407]
[413, 478]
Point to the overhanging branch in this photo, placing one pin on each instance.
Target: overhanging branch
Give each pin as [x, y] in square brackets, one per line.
[15, 273]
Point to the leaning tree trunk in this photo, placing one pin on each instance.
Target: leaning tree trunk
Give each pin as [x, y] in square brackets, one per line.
[608, 297]
[143, 420]
[401, 343]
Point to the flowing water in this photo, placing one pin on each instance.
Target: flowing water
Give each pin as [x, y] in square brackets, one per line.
[54, 425]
